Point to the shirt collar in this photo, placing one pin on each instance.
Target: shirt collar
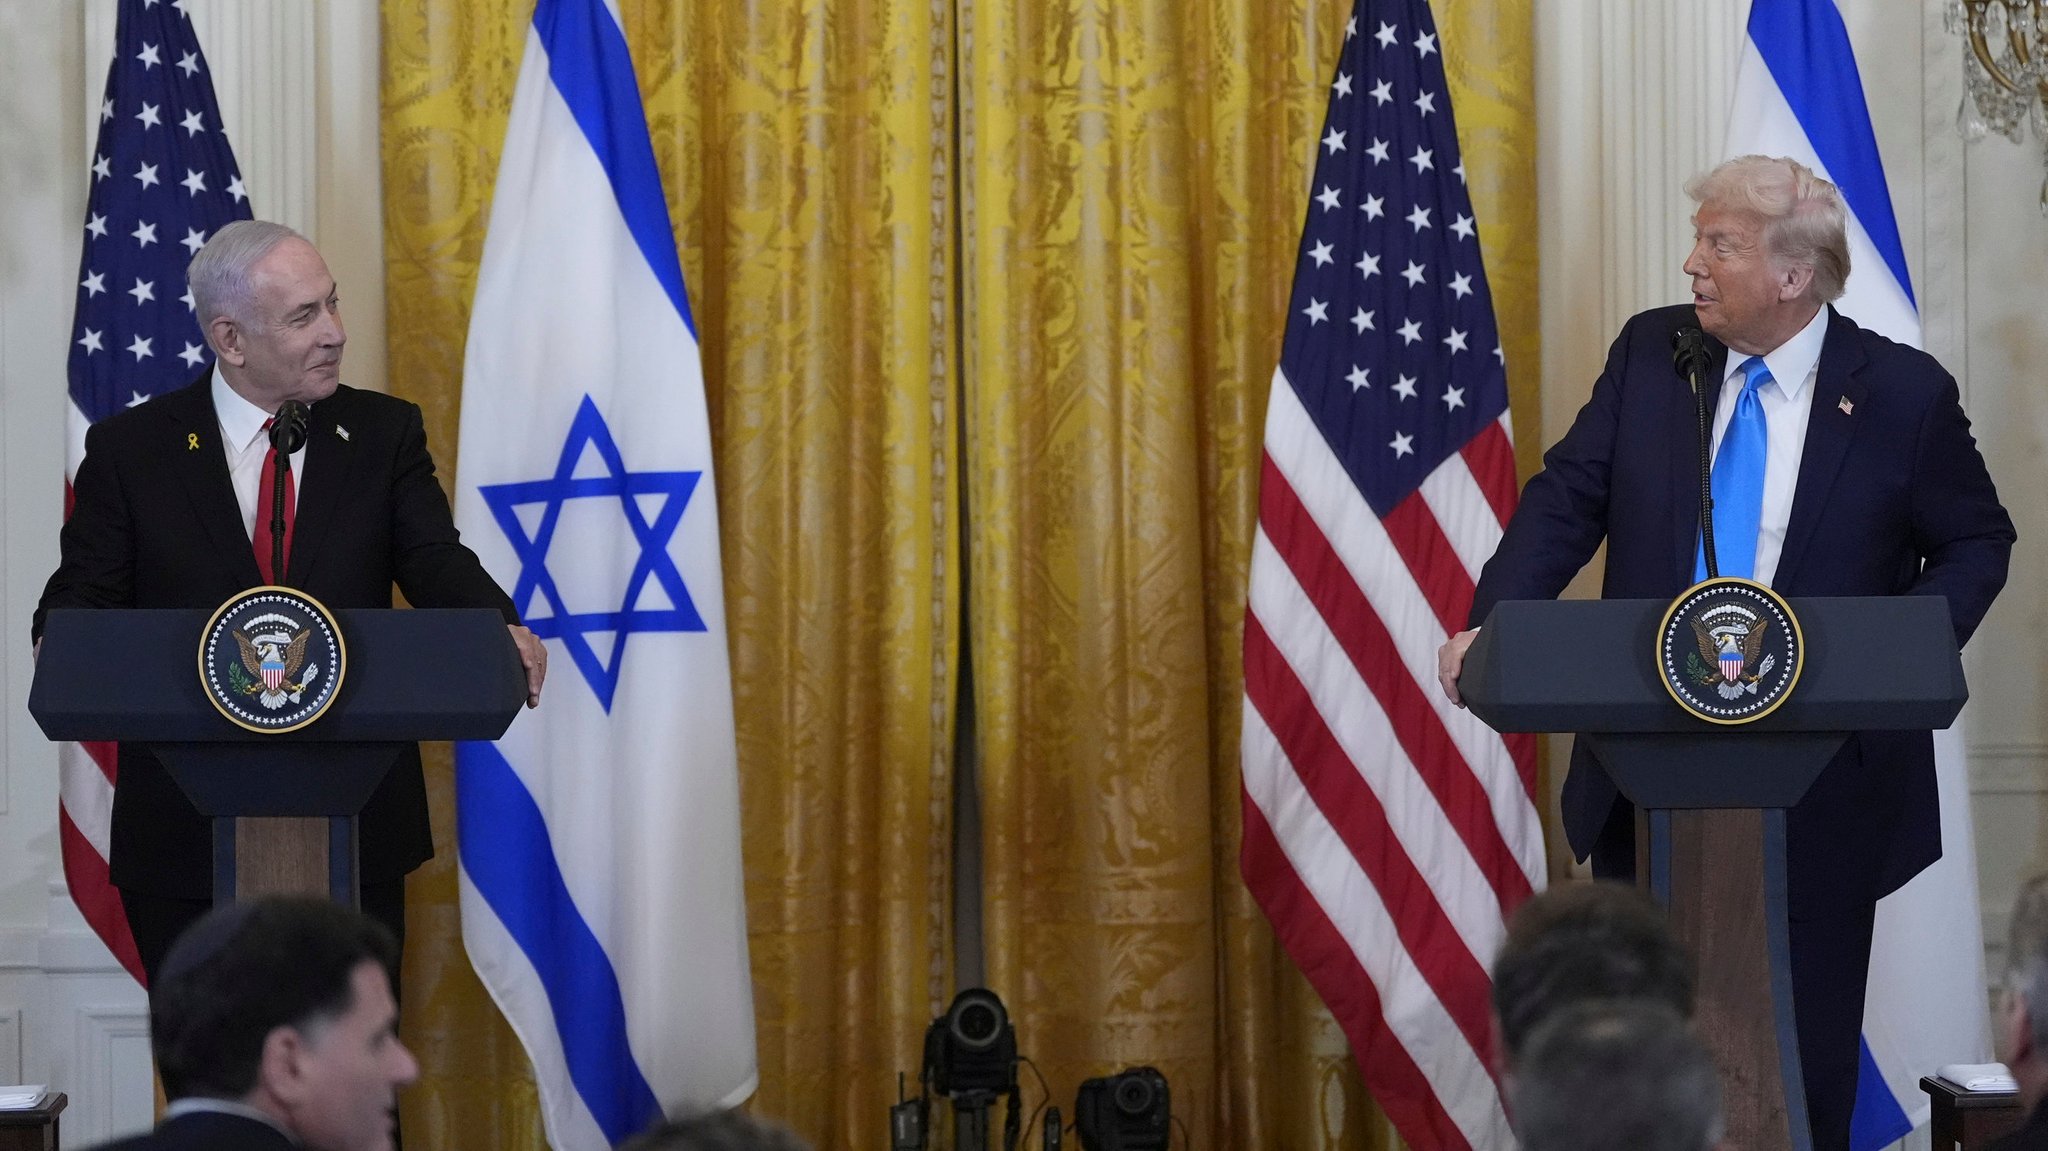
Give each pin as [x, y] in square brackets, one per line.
[195, 1104]
[240, 421]
[1791, 362]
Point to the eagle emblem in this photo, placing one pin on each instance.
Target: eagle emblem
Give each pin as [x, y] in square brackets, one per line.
[1728, 649]
[274, 658]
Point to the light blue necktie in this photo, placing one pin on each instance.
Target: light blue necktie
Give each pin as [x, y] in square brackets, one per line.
[1739, 481]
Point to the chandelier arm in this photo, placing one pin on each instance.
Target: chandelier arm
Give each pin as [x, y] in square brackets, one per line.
[1982, 48]
[2016, 40]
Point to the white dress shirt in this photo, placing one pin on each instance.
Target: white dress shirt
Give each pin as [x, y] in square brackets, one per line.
[196, 1105]
[243, 439]
[1788, 402]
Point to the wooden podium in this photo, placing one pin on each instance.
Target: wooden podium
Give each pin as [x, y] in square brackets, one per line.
[1711, 799]
[284, 805]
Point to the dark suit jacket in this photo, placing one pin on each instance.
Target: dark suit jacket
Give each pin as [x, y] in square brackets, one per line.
[208, 1131]
[154, 524]
[2031, 1135]
[1892, 499]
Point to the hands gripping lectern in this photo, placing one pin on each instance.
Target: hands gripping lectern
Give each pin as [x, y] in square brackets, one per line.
[308, 728]
[1711, 790]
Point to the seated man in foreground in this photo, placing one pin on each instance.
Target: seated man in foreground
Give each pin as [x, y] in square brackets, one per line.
[2020, 1023]
[1616, 1076]
[274, 1027]
[1579, 943]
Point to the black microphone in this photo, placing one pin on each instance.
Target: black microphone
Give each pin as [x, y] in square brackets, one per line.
[287, 435]
[288, 427]
[1690, 356]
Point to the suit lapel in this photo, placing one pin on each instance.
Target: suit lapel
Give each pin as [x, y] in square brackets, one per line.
[329, 456]
[200, 463]
[1828, 431]
[1685, 454]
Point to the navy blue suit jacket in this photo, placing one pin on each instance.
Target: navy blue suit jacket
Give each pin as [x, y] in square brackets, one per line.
[208, 1131]
[1892, 499]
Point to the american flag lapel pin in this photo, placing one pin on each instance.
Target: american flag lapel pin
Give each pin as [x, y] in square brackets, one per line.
[343, 432]
[1848, 409]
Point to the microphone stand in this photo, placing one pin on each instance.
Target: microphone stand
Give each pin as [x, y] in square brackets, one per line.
[287, 435]
[1699, 395]
[279, 472]
[1689, 356]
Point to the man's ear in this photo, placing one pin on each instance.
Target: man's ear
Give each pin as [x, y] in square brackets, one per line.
[1793, 281]
[226, 337]
[281, 1071]
[1497, 1044]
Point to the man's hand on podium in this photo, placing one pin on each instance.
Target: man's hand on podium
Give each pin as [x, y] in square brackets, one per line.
[1450, 660]
[534, 655]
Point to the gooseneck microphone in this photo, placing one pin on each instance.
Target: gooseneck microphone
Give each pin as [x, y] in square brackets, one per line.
[287, 435]
[1690, 356]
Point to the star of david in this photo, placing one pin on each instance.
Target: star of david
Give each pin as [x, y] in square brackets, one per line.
[655, 563]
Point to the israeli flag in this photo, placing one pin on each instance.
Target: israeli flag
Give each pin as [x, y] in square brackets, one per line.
[599, 840]
[1798, 94]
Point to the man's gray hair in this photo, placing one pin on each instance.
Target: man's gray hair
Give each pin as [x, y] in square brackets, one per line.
[219, 273]
[1616, 1075]
[2026, 955]
[1805, 221]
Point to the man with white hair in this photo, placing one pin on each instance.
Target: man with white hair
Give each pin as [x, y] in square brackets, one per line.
[1843, 466]
[165, 514]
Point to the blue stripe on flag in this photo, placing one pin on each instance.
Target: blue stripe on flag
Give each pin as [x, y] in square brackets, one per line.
[1878, 1121]
[509, 856]
[1806, 47]
[592, 69]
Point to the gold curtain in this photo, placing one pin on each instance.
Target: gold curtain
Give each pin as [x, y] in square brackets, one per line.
[1135, 177]
[1128, 180]
[805, 147]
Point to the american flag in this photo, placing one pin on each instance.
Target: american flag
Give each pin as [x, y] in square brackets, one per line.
[163, 180]
[1387, 834]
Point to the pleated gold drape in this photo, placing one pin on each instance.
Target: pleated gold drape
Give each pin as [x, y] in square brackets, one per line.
[801, 143]
[1128, 180]
[1136, 178]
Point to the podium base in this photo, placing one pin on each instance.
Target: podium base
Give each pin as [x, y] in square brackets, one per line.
[1720, 875]
[255, 856]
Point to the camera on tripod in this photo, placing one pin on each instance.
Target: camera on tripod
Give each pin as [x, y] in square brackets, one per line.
[972, 1048]
[1128, 1111]
[970, 1057]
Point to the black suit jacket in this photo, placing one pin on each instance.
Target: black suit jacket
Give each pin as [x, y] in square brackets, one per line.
[2031, 1135]
[1892, 498]
[154, 524]
[208, 1131]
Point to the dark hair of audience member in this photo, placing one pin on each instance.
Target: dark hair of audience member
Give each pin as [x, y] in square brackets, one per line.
[244, 970]
[717, 1131]
[1618, 1075]
[1585, 941]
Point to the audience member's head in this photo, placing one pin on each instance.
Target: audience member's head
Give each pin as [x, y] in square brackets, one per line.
[718, 1131]
[1615, 1075]
[1579, 942]
[2023, 1021]
[285, 1005]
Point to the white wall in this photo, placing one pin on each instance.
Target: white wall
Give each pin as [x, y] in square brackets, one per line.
[298, 89]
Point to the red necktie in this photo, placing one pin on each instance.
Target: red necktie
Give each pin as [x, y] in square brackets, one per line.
[265, 497]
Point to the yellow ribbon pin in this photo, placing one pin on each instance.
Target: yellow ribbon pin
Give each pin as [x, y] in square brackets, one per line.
[191, 441]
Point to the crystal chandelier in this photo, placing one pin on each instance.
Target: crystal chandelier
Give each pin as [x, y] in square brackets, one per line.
[2006, 69]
